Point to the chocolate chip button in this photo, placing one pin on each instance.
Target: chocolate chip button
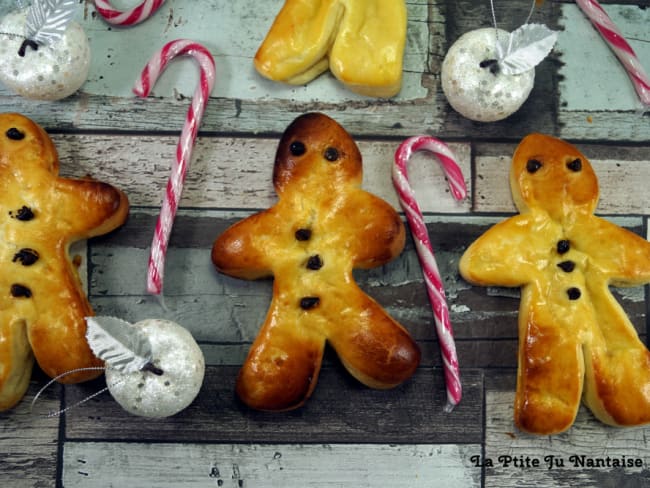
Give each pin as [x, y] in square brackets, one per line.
[573, 293]
[20, 291]
[307, 303]
[15, 135]
[567, 266]
[24, 214]
[314, 263]
[297, 148]
[533, 165]
[26, 256]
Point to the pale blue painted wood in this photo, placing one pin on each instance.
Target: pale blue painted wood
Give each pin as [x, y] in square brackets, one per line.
[592, 77]
[232, 31]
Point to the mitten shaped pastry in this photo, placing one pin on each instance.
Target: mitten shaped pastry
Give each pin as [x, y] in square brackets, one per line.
[42, 303]
[323, 226]
[360, 41]
[575, 340]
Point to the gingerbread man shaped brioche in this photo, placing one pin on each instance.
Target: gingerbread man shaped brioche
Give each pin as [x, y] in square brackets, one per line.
[42, 303]
[323, 226]
[575, 340]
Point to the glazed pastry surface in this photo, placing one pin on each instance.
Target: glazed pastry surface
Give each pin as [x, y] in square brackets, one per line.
[323, 226]
[360, 41]
[575, 340]
[42, 303]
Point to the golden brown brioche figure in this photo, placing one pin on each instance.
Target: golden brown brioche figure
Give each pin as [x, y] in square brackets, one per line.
[575, 340]
[323, 226]
[42, 303]
[360, 41]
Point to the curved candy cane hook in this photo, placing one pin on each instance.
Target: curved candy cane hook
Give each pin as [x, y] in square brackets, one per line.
[143, 86]
[432, 277]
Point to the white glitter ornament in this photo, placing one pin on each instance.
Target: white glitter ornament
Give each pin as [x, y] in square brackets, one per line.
[489, 73]
[473, 87]
[154, 369]
[51, 72]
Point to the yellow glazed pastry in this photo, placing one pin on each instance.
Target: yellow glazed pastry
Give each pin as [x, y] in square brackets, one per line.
[323, 226]
[575, 340]
[360, 41]
[42, 303]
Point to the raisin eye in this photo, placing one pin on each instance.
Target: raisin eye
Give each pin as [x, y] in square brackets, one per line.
[297, 148]
[533, 165]
[575, 165]
[14, 134]
[331, 154]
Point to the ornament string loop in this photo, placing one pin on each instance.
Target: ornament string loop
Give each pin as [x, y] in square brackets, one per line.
[494, 15]
[522, 49]
[13, 35]
[62, 375]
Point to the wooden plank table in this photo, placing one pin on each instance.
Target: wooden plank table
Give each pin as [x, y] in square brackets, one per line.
[346, 435]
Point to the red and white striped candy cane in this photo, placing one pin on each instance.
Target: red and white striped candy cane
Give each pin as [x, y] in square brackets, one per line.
[617, 43]
[142, 88]
[127, 17]
[432, 277]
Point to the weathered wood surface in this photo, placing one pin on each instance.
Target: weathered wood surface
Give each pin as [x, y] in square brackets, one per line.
[244, 102]
[340, 411]
[235, 173]
[577, 458]
[269, 465]
[346, 435]
[226, 312]
[29, 444]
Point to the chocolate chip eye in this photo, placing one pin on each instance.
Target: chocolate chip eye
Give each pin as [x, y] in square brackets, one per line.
[303, 234]
[575, 165]
[533, 165]
[331, 154]
[573, 293]
[297, 148]
[15, 134]
[308, 303]
[563, 246]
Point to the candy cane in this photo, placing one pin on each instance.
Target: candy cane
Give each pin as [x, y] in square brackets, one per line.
[432, 277]
[619, 46]
[128, 17]
[143, 86]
